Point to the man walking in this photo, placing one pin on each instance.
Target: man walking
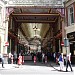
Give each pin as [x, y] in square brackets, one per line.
[68, 62]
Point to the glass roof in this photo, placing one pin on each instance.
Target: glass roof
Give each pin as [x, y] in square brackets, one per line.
[36, 2]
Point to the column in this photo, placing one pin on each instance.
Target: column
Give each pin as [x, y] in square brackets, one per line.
[16, 45]
[6, 35]
[10, 45]
[64, 35]
[59, 46]
[1, 30]
[6, 19]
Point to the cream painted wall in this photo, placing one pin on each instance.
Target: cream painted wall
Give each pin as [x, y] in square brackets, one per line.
[69, 2]
[3, 31]
[44, 29]
[70, 28]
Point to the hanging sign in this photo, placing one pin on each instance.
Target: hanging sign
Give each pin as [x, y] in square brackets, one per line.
[66, 42]
[62, 43]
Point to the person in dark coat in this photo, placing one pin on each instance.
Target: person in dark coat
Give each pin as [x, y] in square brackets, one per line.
[2, 60]
[68, 62]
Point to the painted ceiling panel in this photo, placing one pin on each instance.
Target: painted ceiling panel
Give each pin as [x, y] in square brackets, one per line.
[25, 29]
[32, 31]
[44, 29]
[40, 32]
[30, 10]
[35, 16]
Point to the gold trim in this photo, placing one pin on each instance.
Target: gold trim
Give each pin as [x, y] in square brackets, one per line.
[22, 14]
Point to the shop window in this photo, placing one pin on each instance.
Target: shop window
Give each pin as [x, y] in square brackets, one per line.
[70, 16]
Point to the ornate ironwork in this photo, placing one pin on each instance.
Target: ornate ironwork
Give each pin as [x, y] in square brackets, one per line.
[36, 2]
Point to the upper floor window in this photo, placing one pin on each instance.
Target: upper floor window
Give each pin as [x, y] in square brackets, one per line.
[70, 15]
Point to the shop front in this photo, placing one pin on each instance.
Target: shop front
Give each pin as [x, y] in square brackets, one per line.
[71, 37]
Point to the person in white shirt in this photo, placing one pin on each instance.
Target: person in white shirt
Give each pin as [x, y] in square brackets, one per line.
[2, 60]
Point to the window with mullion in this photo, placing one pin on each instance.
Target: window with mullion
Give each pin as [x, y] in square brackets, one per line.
[70, 15]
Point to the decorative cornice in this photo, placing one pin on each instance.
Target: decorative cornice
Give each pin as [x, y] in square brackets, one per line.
[5, 2]
[25, 14]
[69, 2]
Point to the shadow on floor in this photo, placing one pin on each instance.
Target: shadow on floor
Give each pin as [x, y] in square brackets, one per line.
[48, 64]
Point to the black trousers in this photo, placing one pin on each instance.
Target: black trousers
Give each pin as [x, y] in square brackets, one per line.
[1, 60]
[68, 64]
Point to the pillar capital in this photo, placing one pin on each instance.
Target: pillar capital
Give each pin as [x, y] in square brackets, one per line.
[6, 19]
[62, 19]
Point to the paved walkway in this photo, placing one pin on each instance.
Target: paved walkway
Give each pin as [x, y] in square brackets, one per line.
[30, 68]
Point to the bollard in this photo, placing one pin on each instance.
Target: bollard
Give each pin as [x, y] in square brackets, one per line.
[22, 59]
[19, 60]
[34, 59]
[11, 59]
[45, 59]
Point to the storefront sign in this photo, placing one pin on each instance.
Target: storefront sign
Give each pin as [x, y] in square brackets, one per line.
[71, 36]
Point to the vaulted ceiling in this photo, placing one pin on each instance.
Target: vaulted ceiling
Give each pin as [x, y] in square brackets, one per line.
[29, 17]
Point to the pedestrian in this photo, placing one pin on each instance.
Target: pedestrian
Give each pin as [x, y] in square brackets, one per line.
[61, 62]
[15, 57]
[34, 59]
[68, 62]
[2, 60]
[22, 54]
[54, 55]
[9, 58]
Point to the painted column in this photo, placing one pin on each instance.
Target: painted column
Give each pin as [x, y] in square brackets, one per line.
[59, 28]
[3, 30]
[5, 22]
[10, 45]
[63, 34]
[6, 35]
[1, 40]
[59, 46]
[16, 45]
